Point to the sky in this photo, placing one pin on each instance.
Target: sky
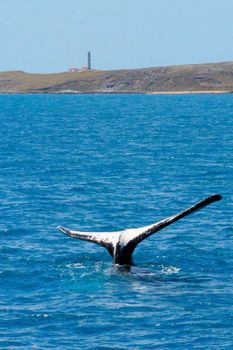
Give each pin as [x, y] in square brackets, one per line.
[47, 36]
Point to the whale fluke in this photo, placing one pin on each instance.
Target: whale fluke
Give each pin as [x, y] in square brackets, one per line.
[121, 244]
[105, 239]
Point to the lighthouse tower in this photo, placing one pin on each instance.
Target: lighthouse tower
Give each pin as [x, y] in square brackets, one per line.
[89, 60]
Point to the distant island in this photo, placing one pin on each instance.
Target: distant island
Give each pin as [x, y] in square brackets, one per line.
[194, 78]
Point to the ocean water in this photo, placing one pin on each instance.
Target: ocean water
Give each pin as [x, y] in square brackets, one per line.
[105, 163]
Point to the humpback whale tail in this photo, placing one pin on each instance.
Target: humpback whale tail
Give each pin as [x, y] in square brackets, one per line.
[121, 244]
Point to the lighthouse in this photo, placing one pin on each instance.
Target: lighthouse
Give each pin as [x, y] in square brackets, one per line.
[88, 60]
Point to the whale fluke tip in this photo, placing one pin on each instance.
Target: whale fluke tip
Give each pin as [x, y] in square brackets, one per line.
[216, 197]
[63, 229]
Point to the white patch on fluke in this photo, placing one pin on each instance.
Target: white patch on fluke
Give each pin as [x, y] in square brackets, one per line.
[131, 233]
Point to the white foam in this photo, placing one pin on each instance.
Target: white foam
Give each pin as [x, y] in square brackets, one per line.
[169, 270]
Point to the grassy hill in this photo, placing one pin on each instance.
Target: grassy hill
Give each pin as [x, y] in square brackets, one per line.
[197, 77]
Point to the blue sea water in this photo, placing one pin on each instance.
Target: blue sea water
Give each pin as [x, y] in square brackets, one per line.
[104, 163]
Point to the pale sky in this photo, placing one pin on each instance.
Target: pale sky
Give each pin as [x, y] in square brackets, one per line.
[53, 35]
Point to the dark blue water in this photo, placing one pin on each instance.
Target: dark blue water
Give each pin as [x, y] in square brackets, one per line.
[107, 163]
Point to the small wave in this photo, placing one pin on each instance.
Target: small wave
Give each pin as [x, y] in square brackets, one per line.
[170, 270]
[42, 315]
[75, 266]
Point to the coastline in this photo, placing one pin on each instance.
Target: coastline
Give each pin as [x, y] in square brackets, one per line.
[187, 92]
[75, 92]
